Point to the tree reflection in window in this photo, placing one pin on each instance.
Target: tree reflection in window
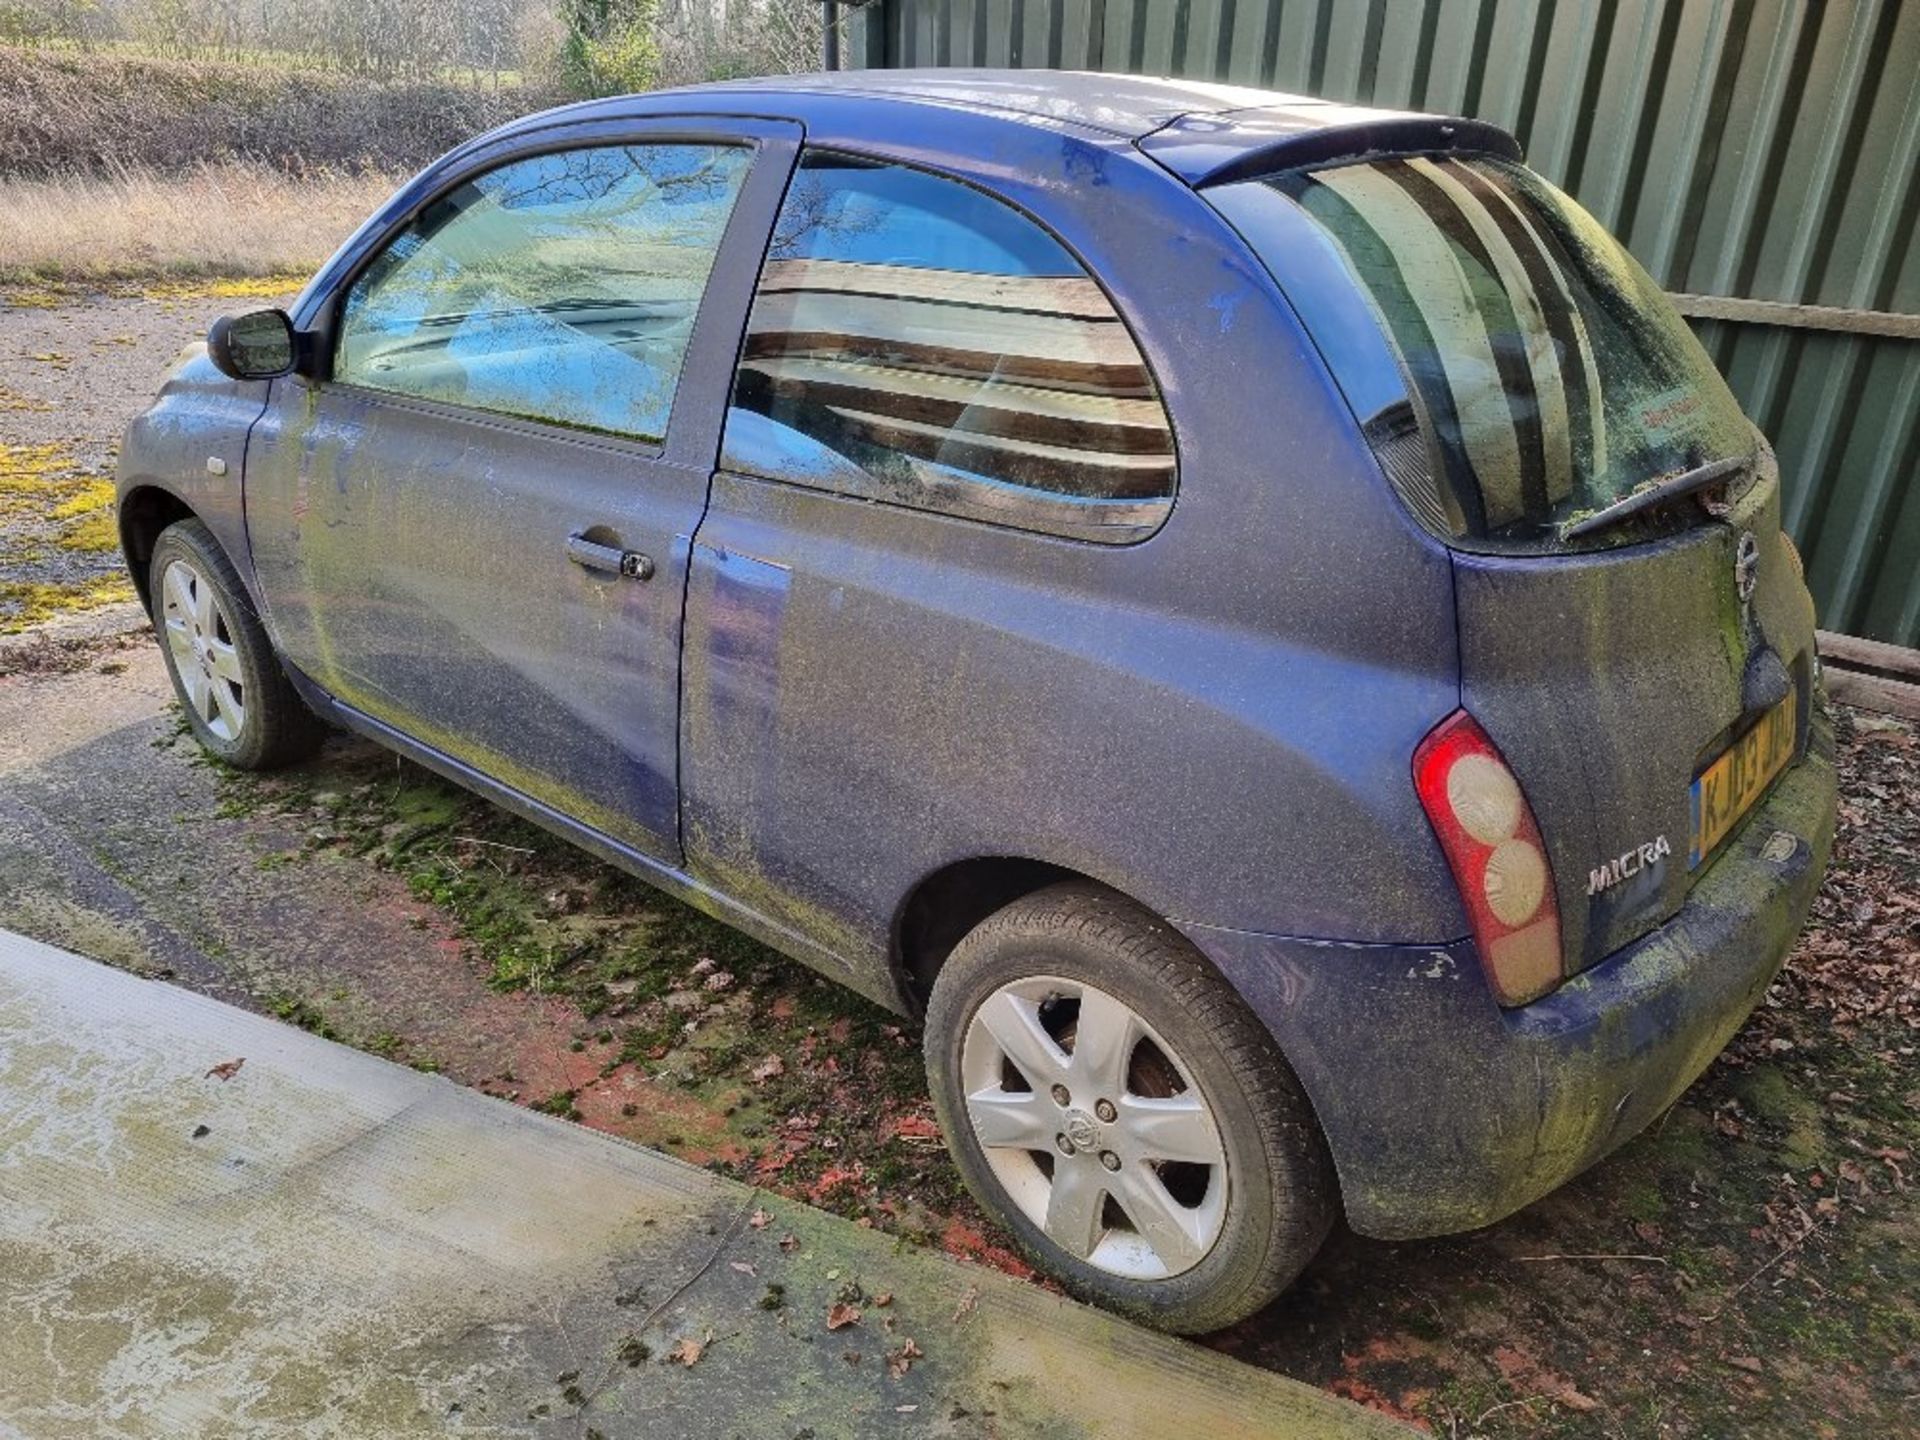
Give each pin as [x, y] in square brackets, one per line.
[561, 288]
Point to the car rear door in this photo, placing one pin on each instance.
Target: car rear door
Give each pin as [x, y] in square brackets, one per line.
[475, 529]
[1629, 610]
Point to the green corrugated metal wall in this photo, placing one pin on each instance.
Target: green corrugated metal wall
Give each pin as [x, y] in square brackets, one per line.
[1766, 150]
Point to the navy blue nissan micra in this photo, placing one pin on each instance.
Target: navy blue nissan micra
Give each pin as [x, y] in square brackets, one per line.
[1254, 617]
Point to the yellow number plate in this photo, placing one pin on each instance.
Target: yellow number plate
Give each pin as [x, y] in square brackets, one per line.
[1727, 788]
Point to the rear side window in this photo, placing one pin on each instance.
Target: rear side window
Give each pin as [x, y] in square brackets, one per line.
[561, 288]
[917, 342]
[1544, 377]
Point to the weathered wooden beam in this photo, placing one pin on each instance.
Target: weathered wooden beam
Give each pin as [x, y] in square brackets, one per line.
[1896, 661]
[1871, 674]
[1874, 692]
[1890, 323]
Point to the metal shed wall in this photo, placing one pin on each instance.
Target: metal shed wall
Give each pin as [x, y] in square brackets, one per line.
[1760, 157]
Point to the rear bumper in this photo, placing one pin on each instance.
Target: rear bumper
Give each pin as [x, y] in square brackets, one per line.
[1445, 1112]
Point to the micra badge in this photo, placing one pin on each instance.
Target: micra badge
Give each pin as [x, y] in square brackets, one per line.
[1623, 868]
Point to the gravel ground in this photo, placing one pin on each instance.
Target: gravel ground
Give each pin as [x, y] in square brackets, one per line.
[73, 372]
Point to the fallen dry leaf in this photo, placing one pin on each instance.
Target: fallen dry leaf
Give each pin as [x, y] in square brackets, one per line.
[742, 1266]
[789, 1243]
[689, 1350]
[840, 1315]
[771, 1068]
[917, 1127]
[226, 1070]
[760, 1219]
[900, 1361]
[967, 1303]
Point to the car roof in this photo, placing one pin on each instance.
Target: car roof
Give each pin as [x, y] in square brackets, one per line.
[1205, 133]
[1125, 106]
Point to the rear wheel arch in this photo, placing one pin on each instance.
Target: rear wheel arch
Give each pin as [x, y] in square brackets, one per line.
[953, 901]
[145, 513]
[944, 906]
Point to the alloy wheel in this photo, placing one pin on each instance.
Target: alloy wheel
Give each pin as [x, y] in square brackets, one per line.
[1094, 1127]
[200, 639]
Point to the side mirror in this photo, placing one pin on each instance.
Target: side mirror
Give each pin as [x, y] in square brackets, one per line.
[256, 346]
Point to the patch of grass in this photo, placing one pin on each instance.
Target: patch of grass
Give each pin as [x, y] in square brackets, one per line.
[296, 1011]
[96, 109]
[560, 1103]
[233, 230]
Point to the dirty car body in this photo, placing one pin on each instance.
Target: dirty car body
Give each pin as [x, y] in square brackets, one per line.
[854, 710]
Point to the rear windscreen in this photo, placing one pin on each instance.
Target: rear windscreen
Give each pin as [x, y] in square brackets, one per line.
[1543, 377]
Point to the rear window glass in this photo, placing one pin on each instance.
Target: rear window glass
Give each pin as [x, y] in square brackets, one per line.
[1544, 376]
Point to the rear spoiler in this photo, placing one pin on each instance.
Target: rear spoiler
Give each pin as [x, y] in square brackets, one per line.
[1229, 145]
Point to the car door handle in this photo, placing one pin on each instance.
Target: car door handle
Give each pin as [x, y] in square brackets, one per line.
[611, 559]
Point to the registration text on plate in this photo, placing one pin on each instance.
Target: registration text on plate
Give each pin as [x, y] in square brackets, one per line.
[1727, 788]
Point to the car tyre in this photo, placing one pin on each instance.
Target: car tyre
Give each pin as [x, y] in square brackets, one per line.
[238, 701]
[1192, 1046]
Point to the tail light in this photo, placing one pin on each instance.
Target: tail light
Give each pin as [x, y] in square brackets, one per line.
[1493, 846]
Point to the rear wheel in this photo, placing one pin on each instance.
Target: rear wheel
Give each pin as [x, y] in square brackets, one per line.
[1130, 1121]
[239, 703]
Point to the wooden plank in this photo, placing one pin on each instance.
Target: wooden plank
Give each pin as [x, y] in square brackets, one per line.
[1036, 294]
[1852, 652]
[1891, 323]
[1873, 692]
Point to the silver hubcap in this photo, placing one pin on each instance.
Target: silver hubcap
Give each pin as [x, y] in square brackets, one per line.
[200, 640]
[1095, 1128]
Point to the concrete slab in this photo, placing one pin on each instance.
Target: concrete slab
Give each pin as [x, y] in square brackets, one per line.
[326, 1244]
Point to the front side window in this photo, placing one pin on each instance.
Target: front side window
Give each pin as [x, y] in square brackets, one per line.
[918, 342]
[560, 288]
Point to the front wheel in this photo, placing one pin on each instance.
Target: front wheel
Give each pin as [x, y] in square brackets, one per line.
[1120, 1109]
[239, 703]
